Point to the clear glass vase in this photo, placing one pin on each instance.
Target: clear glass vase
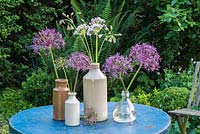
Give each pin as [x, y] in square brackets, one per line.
[124, 111]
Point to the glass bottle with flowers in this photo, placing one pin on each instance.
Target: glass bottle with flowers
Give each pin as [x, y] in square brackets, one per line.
[142, 55]
[80, 62]
[44, 43]
[93, 36]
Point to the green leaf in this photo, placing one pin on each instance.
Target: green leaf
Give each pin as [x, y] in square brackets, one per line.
[107, 11]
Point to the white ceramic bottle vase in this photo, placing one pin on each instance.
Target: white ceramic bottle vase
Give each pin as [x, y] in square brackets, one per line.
[72, 110]
[95, 92]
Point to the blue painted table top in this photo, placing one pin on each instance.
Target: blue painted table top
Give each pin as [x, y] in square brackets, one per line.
[39, 120]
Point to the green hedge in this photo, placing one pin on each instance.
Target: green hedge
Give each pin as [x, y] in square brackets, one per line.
[20, 19]
[171, 98]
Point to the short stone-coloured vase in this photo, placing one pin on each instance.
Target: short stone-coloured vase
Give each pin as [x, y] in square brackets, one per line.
[72, 110]
[60, 94]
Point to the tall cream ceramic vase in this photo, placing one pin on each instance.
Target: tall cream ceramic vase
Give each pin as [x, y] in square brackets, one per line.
[60, 94]
[95, 92]
[72, 110]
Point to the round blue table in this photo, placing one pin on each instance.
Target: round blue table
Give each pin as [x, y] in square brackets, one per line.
[39, 120]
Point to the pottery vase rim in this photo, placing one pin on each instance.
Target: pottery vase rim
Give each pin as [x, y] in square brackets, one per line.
[61, 80]
[94, 65]
[72, 93]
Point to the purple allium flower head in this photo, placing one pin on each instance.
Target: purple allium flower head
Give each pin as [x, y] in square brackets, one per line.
[146, 55]
[79, 61]
[47, 38]
[81, 29]
[116, 65]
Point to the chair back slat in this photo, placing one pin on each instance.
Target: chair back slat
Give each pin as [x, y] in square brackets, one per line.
[195, 91]
[197, 95]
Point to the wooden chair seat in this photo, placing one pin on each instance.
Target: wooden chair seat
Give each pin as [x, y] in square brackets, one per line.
[186, 111]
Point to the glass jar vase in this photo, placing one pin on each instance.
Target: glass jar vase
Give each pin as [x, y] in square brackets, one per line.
[124, 111]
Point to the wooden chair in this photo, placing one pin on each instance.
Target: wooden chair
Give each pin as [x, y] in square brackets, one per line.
[182, 115]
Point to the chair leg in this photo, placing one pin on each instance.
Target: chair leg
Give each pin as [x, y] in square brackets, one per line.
[182, 122]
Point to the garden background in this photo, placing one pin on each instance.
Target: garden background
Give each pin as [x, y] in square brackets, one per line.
[173, 26]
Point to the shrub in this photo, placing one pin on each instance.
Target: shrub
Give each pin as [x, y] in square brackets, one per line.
[183, 78]
[171, 98]
[11, 102]
[19, 20]
[38, 88]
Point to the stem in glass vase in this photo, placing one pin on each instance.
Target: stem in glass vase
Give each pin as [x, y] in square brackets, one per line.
[121, 79]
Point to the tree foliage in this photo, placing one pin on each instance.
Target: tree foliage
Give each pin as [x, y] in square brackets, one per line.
[20, 19]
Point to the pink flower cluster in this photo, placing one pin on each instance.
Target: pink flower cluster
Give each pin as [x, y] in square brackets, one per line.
[79, 61]
[143, 54]
[146, 55]
[117, 65]
[46, 39]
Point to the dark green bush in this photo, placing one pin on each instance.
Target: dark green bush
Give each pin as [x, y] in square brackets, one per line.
[20, 19]
[171, 98]
[183, 78]
[11, 102]
[38, 88]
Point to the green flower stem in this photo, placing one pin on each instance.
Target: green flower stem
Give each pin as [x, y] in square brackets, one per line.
[121, 79]
[76, 80]
[85, 46]
[66, 78]
[96, 48]
[92, 47]
[88, 47]
[134, 77]
[71, 21]
[101, 47]
[54, 65]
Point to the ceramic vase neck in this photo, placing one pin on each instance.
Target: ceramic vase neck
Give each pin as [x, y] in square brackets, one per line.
[61, 82]
[72, 94]
[95, 66]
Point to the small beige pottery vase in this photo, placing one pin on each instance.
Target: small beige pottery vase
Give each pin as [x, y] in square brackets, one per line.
[72, 110]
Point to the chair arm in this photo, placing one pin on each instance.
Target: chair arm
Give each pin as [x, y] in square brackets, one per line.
[186, 111]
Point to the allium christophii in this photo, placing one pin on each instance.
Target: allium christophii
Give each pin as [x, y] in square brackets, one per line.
[79, 61]
[47, 38]
[117, 65]
[146, 55]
